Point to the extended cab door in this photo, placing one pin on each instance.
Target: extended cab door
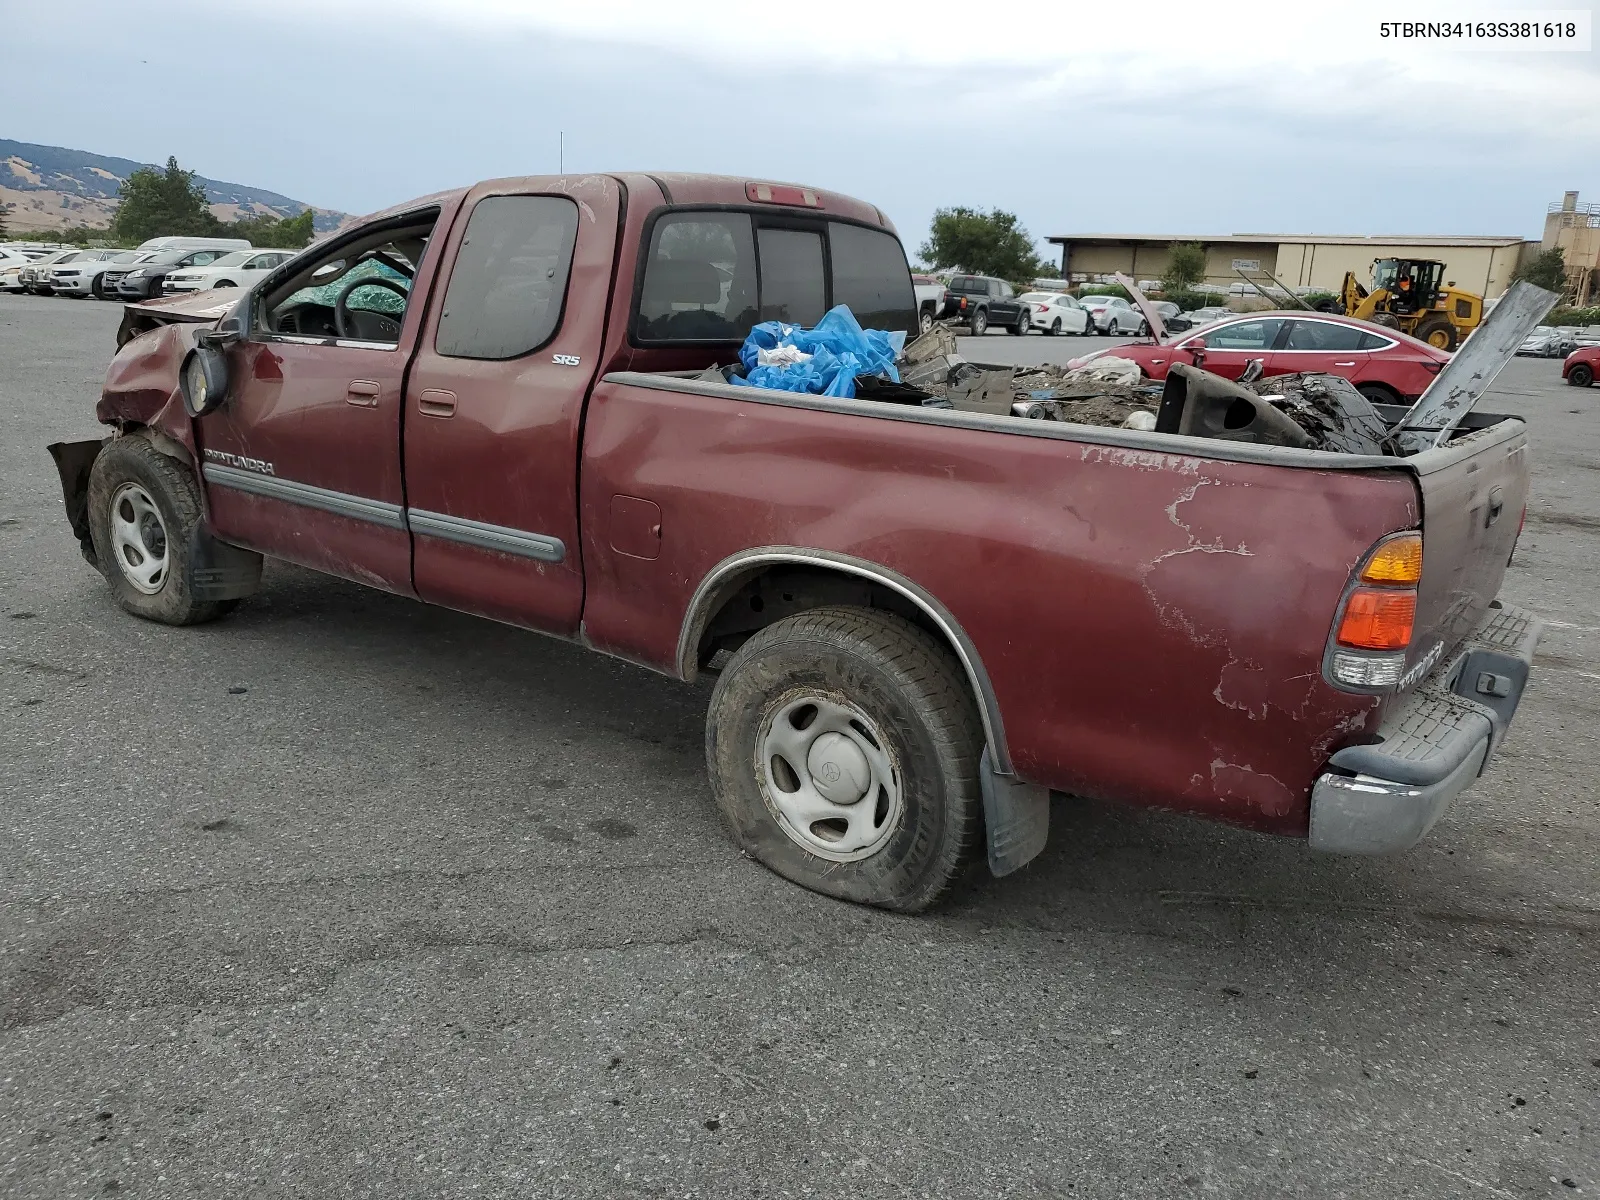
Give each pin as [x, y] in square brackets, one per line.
[495, 401]
[302, 461]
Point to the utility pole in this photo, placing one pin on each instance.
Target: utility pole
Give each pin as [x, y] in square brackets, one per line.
[561, 152]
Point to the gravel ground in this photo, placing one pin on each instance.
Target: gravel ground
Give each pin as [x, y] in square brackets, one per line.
[349, 896]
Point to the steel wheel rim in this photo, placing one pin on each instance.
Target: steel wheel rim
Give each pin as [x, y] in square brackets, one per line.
[827, 776]
[139, 539]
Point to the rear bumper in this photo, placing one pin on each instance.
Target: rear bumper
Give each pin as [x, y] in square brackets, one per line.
[1383, 798]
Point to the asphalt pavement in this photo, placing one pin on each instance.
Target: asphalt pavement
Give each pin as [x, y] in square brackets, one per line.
[345, 895]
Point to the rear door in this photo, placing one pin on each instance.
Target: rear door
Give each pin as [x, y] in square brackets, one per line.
[1312, 345]
[495, 400]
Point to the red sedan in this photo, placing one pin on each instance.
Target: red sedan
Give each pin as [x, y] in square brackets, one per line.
[1385, 365]
[1581, 365]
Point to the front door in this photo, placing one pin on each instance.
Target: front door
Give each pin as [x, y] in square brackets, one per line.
[495, 401]
[1229, 348]
[302, 461]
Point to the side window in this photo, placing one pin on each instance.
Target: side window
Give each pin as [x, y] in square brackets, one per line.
[1245, 335]
[1372, 341]
[1323, 335]
[871, 276]
[793, 287]
[510, 278]
[699, 279]
[356, 288]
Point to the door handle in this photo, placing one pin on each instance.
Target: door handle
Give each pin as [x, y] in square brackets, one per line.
[1348, 364]
[363, 393]
[435, 403]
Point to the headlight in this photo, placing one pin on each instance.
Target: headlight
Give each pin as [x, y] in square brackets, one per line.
[136, 274]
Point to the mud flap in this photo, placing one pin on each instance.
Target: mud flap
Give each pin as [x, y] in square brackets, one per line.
[74, 461]
[222, 571]
[1016, 819]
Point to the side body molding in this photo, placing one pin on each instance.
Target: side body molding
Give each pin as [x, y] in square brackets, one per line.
[732, 571]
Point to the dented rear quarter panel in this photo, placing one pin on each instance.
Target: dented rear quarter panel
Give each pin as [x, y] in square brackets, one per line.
[1153, 624]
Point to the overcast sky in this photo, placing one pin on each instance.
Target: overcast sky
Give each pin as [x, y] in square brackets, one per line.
[1192, 117]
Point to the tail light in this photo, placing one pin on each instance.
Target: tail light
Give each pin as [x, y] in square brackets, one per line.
[1431, 367]
[1042, 307]
[1377, 617]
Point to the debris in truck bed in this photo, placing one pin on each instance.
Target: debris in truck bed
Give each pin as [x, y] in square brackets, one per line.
[1332, 412]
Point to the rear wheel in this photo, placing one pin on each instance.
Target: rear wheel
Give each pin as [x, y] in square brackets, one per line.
[1144, 329]
[843, 747]
[1378, 393]
[979, 323]
[1055, 328]
[1438, 333]
[924, 322]
[1024, 322]
[1581, 375]
[145, 518]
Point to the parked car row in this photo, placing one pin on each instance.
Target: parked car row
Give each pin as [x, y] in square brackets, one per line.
[158, 267]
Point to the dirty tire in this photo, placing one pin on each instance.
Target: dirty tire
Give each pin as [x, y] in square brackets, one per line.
[176, 497]
[979, 323]
[1582, 375]
[1438, 333]
[914, 692]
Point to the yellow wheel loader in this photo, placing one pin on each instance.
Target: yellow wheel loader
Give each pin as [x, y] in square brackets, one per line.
[1407, 295]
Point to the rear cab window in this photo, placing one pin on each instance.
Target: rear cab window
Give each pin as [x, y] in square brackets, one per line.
[710, 276]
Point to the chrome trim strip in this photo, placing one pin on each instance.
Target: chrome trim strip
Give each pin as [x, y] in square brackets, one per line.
[342, 504]
[729, 569]
[487, 537]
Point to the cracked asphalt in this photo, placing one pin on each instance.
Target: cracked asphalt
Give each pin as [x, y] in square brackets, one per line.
[349, 896]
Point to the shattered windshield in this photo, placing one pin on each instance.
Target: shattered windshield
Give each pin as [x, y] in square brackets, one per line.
[373, 299]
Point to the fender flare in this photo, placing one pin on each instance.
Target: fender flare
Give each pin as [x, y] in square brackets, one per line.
[732, 571]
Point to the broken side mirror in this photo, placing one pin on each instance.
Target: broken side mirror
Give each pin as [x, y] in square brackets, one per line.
[1197, 348]
[204, 379]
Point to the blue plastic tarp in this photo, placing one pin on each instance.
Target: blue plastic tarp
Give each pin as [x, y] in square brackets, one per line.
[827, 357]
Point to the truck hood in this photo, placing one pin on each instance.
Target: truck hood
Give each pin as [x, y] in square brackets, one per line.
[180, 308]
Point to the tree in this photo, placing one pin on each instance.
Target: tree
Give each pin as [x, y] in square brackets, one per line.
[1186, 266]
[283, 233]
[1547, 270]
[982, 243]
[161, 203]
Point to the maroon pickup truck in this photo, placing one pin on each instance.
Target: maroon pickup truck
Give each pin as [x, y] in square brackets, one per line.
[923, 621]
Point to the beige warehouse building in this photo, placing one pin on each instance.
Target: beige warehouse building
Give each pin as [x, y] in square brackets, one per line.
[1478, 264]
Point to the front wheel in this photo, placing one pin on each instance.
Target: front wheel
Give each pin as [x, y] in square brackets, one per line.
[843, 746]
[1582, 375]
[979, 323]
[149, 533]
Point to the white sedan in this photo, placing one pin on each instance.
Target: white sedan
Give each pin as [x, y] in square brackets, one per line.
[240, 269]
[1055, 312]
[1113, 315]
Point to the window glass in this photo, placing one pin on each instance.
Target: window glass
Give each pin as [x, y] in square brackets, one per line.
[699, 279]
[1323, 335]
[510, 277]
[871, 276]
[1372, 341]
[793, 287]
[1244, 335]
